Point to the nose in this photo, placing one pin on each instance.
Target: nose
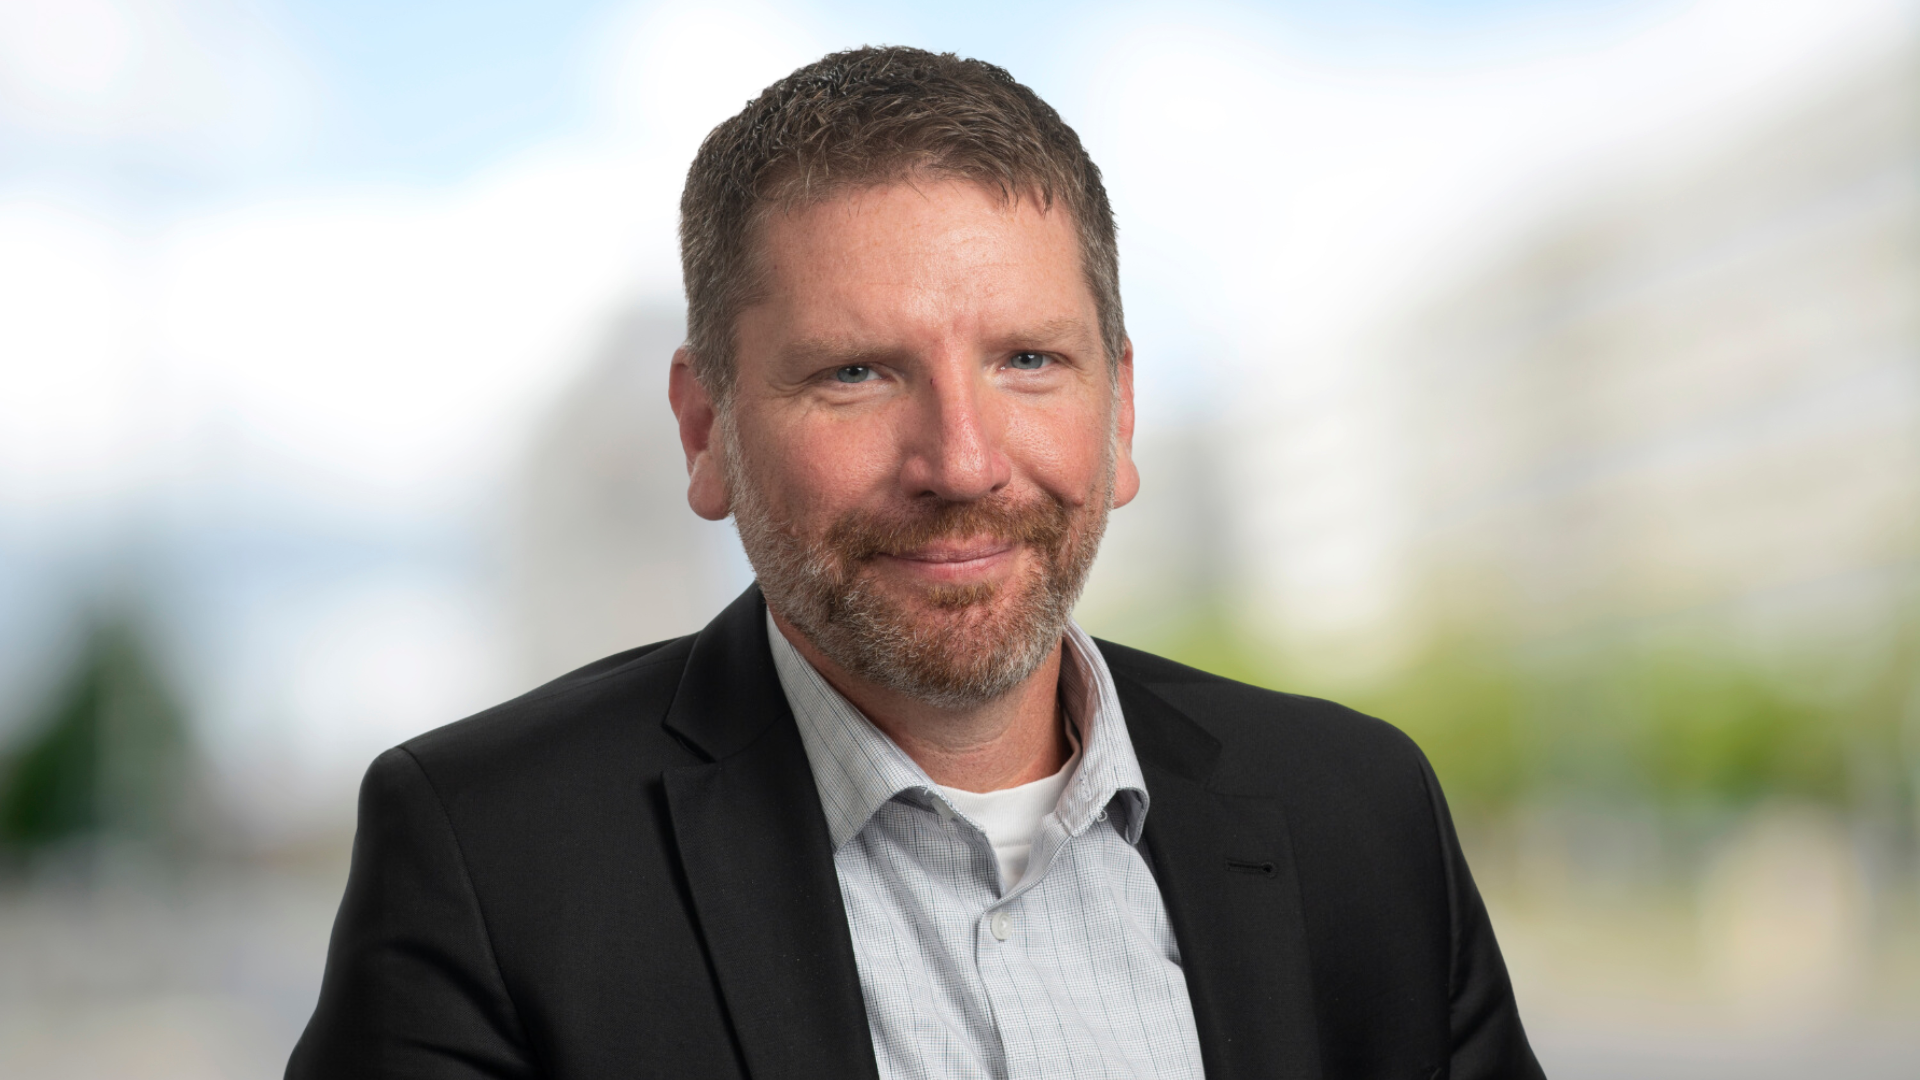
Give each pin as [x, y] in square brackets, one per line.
[955, 451]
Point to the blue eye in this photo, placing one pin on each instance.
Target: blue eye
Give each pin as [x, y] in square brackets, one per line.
[1027, 361]
[853, 373]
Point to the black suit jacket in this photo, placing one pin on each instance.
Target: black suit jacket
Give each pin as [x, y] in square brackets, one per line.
[627, 873]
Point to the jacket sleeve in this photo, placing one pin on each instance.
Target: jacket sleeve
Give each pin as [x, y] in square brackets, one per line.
[411, 986]
[1484, 1020]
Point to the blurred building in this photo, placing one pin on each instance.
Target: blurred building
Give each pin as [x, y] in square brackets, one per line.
[1165, 567]
[605, 554]
[1692, 400]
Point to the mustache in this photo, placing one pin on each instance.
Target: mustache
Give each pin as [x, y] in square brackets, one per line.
[861, 536]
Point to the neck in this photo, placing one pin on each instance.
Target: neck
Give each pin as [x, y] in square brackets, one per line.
[1014, 739]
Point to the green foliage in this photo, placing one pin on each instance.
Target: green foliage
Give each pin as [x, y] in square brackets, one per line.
[106, 756]
[1723, 733]
[1686, 726]
[1464, 705]
[1680, 726]
[53, 789]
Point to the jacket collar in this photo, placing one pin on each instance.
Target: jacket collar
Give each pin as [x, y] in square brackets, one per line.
[758, 861]
[1226, 872]
[729, 693]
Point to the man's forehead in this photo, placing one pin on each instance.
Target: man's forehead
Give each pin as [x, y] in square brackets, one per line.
[882, 224]
[877, 263]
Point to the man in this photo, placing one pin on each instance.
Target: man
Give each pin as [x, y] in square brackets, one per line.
[892, 814]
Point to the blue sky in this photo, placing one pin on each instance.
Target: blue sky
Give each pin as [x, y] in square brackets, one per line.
[428, 92]
[435, 88]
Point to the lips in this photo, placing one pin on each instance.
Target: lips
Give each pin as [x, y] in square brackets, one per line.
[968, 565]
[955, 552]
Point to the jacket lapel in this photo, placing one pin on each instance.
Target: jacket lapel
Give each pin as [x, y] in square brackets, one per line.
[1225, 869]
[759, 863]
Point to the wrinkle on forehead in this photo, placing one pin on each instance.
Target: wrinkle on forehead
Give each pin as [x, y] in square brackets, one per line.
[848, 194]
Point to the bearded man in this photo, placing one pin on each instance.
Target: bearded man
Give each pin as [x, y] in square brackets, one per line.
[892, 814]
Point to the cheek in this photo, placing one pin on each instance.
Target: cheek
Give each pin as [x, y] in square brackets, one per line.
[1063, 449]
[816, 467]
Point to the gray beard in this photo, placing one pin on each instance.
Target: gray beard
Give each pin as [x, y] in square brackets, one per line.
[969, 646]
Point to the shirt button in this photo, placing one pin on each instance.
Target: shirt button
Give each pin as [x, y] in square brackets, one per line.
[1002, 925]
[941, 808]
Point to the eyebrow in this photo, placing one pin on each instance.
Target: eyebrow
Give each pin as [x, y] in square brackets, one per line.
[815, 353]
[1051, 332]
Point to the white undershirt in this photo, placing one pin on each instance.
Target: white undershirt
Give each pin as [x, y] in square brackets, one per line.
[1011, 816]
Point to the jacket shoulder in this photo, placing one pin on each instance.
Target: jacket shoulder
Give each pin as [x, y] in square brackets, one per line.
[611, 706]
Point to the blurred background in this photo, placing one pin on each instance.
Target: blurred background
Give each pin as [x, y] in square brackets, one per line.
[1543, 377]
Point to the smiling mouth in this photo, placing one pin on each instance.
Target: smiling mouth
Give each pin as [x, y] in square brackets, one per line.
[949, 543]
[967, 564]
[952, 554]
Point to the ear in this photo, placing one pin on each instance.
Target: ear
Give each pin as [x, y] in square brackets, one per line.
[693, 407]
[1126, 476]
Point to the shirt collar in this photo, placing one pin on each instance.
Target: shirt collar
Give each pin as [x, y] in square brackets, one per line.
[857, 769]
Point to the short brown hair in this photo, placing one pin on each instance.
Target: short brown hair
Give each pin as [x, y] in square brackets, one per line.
[870, 116]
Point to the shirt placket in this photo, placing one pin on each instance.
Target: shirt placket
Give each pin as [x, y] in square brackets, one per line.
[1031, 1037]
[994, 923]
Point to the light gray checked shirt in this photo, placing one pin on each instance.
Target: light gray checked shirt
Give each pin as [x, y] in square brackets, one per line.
[1071, 973]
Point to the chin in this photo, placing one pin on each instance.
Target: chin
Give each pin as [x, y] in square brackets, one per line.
[976, 608]
[949, 646]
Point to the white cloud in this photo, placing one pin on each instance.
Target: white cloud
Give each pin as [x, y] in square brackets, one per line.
[393, 339]
[189, 79]
[67, 52]
[674, 71]
[71, 361]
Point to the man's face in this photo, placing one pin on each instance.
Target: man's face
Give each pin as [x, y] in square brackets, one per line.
[924, 435]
